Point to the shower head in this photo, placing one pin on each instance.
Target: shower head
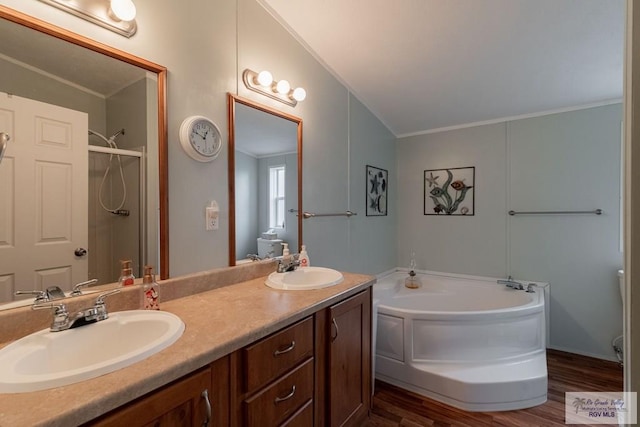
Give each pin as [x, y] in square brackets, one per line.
[120, 132]
[4, 138]
[111, 141]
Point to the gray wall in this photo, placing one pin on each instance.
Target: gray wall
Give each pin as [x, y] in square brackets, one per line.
[33, 85]
[127, 109]
[246, 205]
[229, 36]
[568, 161]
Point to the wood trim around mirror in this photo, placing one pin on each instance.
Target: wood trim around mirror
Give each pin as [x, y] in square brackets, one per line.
[161, 72]
[231, 106]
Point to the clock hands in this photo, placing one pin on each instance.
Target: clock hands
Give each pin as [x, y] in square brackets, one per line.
[201, 135]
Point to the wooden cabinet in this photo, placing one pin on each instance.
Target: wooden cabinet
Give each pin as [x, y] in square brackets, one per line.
[189, 401]
[349, 360]
[316, 372]
[274, 378]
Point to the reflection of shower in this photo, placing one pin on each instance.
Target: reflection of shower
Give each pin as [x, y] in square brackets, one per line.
[4, 138]
[111, 143]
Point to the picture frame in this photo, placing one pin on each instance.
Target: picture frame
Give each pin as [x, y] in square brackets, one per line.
[377, 187]
[449, 191]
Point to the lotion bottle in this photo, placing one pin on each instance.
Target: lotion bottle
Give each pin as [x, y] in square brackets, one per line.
[150, 289]
[126, 276]
[304, 257]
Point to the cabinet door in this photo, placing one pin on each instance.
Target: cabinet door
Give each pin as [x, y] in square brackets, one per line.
[349, 363]
[182, 403]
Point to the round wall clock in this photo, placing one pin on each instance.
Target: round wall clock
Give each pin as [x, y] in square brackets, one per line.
[200, 138]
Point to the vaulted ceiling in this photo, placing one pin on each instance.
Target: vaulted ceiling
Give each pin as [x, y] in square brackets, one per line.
[423, 65]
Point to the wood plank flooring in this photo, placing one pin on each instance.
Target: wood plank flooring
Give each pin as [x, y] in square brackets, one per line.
[393, 407]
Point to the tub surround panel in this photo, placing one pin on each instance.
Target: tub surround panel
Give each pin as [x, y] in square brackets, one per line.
[218, 322]
[467, 245]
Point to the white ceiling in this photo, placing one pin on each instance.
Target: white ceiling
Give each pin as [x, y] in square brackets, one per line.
[261, 135]
[422, 65]
[98, 73]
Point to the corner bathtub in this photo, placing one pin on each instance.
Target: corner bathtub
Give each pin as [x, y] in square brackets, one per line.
[463, 340]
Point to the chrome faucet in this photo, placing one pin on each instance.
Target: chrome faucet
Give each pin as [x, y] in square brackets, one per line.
[77, 287]
[288, 263]
[63, 321]
[49, 294]
[254, 257]
[511, 283]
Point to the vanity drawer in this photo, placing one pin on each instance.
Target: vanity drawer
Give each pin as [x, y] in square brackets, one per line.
[302, 418]
[271, 357]
[282, 399]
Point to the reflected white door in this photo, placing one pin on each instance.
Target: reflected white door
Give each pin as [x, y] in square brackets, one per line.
[43, 196]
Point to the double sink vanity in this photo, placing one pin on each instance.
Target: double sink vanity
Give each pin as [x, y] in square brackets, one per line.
[249, 354]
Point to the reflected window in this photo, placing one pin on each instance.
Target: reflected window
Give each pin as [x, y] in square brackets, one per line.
[276, 196]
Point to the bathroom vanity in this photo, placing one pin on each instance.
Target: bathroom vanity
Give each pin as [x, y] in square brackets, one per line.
[256, 355]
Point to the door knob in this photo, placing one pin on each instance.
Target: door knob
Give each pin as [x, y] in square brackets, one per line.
[80, 252]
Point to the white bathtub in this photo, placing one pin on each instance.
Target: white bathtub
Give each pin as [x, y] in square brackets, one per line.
[463, 340]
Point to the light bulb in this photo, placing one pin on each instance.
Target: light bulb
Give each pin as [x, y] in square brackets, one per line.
[299, 94]
[264, 78]
[283, 87]
[124, 10]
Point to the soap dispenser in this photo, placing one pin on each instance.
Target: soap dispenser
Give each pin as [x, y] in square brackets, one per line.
[285, 250]
[126, 276]
[150, 289]
[413, 281]
[304, 257]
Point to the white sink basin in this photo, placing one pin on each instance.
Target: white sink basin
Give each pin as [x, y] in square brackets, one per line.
[47, 359]
[305, 278]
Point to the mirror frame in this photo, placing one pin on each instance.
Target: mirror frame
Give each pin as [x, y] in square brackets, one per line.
[79, 40]
[231, 106]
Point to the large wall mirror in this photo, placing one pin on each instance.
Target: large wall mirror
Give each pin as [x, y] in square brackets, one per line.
[83, 180]
[265, 181]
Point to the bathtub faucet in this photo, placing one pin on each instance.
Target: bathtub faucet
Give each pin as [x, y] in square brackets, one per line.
[511, 283]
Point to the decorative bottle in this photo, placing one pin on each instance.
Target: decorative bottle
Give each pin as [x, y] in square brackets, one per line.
[150, 289]
[412, 282]
[126, 276]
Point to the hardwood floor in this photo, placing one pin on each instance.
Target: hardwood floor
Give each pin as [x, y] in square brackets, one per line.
[393, 406]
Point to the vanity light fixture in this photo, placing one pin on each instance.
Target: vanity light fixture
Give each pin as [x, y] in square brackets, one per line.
[281, 90]
[115, 15]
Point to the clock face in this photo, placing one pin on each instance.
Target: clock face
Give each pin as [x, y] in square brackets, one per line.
[200, 138]
[204, 138]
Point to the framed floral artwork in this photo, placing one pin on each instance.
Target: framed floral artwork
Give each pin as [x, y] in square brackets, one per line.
[449, 191]
[377, 187]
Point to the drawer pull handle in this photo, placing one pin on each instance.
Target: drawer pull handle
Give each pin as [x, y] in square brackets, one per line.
[207, 402]
[335, 325]
[286, 350]
[287, 397]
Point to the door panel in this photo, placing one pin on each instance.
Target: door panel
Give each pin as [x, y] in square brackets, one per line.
[43, 195]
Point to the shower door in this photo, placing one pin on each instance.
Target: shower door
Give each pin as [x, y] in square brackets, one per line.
[43, 196]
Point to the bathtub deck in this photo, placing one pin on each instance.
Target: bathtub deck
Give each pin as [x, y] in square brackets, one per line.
[567, 372]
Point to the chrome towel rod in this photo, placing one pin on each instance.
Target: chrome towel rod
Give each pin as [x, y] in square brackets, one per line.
[595, 212]
[348, 214]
